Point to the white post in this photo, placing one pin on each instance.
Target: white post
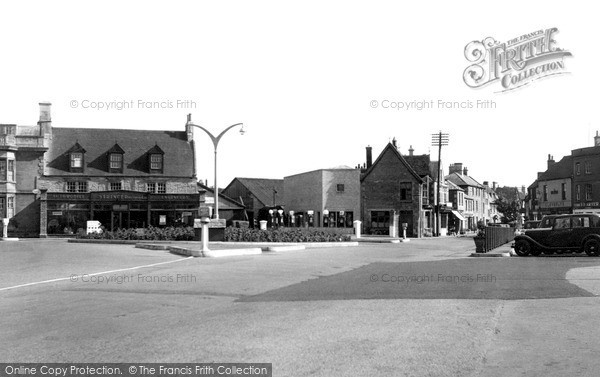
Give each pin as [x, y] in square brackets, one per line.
[205, 221]
[5, 228]
[357, 224]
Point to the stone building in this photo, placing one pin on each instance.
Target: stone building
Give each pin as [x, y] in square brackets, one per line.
[392, 194]
[61, 177]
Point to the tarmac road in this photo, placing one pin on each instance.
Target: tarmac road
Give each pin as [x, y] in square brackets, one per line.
[414, 309]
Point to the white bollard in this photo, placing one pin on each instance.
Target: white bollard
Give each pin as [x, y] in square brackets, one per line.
[357, 224]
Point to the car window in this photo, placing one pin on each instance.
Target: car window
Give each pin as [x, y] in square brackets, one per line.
[562, 223]
[546, 222]
[581, 222]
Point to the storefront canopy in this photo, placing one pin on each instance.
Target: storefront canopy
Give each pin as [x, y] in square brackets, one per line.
[458, 215]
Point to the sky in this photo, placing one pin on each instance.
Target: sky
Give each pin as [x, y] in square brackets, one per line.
[314, 82]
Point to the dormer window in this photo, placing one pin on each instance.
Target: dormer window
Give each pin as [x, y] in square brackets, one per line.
[76, 158]
[115, 159]
[156, 160]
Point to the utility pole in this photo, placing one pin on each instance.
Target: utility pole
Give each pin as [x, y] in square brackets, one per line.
[437, 140]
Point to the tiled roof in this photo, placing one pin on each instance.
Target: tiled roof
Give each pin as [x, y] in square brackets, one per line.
[402, 159]
[452, 186]
[559, 170]
[178, 158]
[421, 164]
[463, 180]
[262, 188]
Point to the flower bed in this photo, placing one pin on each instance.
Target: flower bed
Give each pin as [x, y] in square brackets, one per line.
[284, 235]
[150, 233]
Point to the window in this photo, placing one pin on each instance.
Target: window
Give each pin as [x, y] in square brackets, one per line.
[80, 186]
[116, 162]
[564, 191]
[151, 187]
[425, 194]
[340, 187]
[562, 223]
[161, 188]
[76, 160]
[156, 162]
[578, 168]
[588, 191]
[1, 207]
[545, 193]
[406, 191]
[11, 170]
[581, 222]
[2, 170]
[578, 192]
[588, 167]
[114, 186]
[380, 219]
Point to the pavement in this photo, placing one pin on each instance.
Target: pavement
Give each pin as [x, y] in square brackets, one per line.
[405, 309]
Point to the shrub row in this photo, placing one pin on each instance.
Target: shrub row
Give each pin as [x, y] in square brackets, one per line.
[284, 235]
[151, 233]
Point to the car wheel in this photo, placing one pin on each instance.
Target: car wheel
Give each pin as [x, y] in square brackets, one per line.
[592, 248]
[522, 248]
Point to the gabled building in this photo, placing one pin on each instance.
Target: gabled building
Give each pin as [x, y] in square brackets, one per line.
[229, 209]
[554, 187]
[392, 194]
[256, 193]
[586, 178]
[63, 177]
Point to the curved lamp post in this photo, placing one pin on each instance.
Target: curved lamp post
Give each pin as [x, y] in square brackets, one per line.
[215, 141]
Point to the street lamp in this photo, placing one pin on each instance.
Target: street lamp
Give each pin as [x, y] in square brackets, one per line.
[215, 141]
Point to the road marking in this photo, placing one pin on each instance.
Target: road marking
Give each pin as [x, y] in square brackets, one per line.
[94, 274]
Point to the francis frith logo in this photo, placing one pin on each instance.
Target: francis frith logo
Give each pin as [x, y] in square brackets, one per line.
[515, 63]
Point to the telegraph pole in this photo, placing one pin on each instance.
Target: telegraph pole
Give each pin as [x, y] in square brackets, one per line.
[437, 140]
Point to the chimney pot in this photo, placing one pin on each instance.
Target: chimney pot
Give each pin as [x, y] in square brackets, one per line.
[465, 171]
[597, 140]
[411, 151]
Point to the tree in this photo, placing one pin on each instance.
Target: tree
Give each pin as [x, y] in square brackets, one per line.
[508, 208]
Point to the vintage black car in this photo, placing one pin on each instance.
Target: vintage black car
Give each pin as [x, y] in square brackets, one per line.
[561, 233]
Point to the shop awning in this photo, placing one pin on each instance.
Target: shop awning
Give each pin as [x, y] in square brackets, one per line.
[458, 215]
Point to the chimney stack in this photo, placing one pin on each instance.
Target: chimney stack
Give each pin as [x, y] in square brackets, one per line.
[494, 185]
[486, 183]
[550, 161]
[188, 128]
[45, 122]
[369, 156]
[455, 168]
[523, 189]
[394, 143]
[410, 151]
[465, 171]
[597, 140]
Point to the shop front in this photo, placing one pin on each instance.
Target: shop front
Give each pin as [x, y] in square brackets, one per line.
[67, 213]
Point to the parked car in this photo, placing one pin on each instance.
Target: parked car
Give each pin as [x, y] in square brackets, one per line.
[532, 224]
[560, 233]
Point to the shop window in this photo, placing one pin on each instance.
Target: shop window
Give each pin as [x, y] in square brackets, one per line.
[10, 206]
[151, 187]
[115, 186]
[161, 188]
[380, 219]
[2, 207]
[564, 191]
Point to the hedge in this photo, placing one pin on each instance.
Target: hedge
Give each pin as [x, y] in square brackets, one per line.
[151, 233]
[284, 235]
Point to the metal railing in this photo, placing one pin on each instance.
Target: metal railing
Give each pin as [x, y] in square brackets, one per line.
[496, 236]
